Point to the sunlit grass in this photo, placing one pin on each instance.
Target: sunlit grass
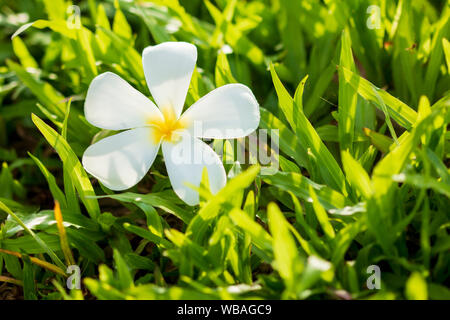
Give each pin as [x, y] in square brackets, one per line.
[360, 98]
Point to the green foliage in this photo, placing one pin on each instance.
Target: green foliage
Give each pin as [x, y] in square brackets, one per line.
[361, 106]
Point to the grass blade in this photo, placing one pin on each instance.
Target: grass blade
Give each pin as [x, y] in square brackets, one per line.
[68, 157]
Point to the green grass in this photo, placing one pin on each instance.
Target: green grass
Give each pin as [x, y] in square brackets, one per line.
[362, 115]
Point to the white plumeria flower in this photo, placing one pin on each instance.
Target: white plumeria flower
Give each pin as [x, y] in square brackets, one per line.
[122, 160]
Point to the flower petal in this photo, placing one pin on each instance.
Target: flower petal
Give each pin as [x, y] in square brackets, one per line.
[228, 112]
[185, 161]
[112, 103]
[168, 69]
[122, 160]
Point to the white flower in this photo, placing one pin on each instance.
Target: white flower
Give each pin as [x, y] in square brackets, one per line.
[122, 160]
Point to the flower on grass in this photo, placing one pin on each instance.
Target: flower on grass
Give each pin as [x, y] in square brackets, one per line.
[122, 160]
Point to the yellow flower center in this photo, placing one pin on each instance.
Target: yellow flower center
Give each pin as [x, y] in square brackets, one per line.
[167, 127]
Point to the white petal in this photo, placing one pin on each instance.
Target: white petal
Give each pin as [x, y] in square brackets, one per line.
[228, 112]
[112, 103]
[168, 69]
[122, 160]
[185, 161]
